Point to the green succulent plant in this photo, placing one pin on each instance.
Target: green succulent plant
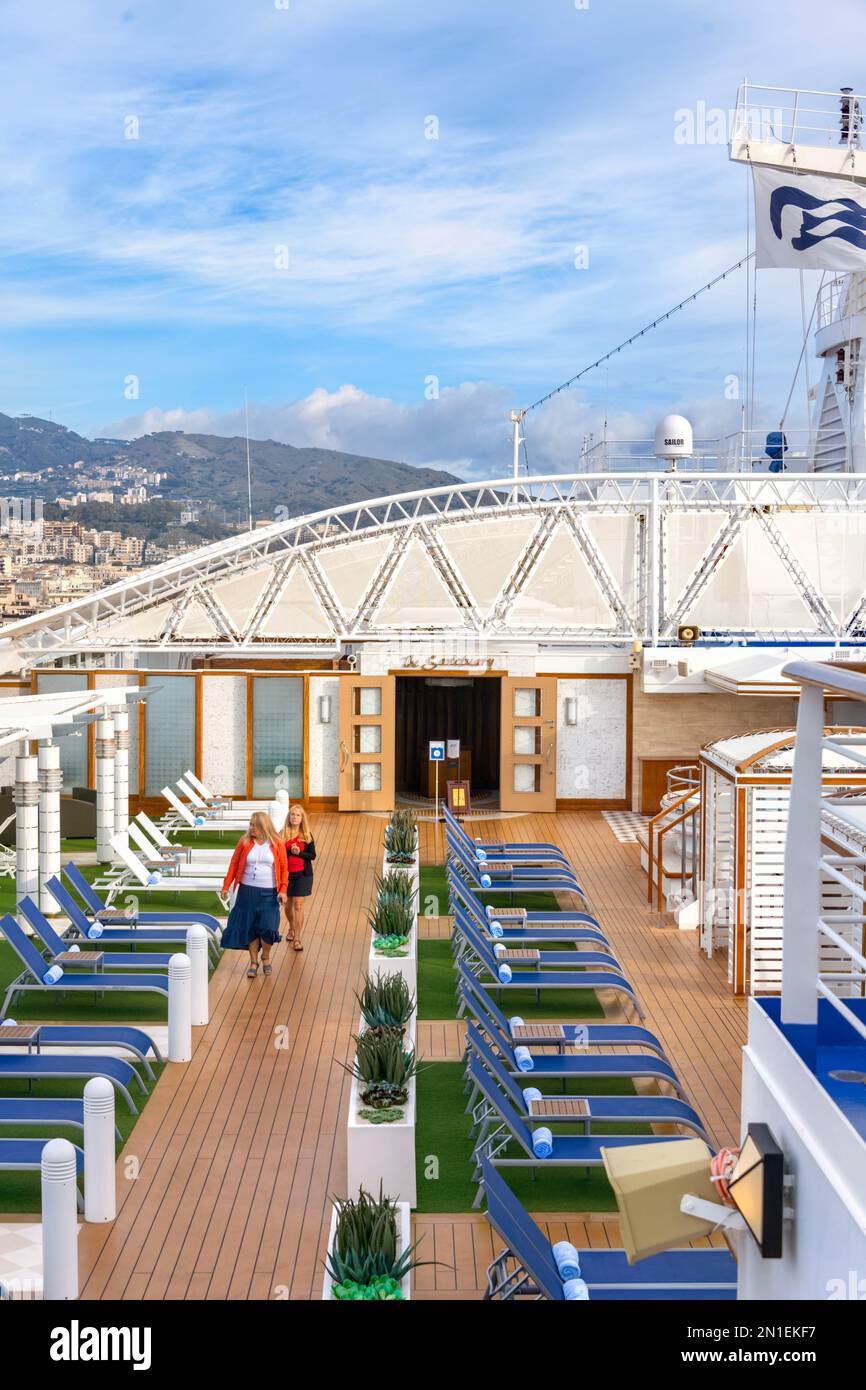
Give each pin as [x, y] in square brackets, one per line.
[401, 838]
[385, 1001]
[383, 1068]
[395, 886]
[392, 918]
[391, 946]
[364, 1249]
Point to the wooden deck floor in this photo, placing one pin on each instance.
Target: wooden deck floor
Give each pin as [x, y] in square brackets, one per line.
[224, 1185]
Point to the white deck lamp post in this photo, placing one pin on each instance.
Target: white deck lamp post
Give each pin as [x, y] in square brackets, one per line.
[100, 1199]
[26, 827]
[59, 1221]
[120, 717]
[105, 751]
[50, 784]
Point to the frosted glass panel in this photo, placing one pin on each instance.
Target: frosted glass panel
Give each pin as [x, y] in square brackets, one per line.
[368, 700]
[133, 748]
[368, 777]
[527, 703]
[526, 777]
[169, 720]
[368, 738]
[278, 735]
[73, 747]
[526, 739]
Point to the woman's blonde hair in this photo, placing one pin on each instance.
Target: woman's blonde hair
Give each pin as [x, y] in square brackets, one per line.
[262, 821]
[303, 833]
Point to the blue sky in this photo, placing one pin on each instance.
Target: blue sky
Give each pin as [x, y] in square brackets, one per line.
[283, 224]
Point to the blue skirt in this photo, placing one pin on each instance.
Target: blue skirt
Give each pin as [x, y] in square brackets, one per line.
[255, 916]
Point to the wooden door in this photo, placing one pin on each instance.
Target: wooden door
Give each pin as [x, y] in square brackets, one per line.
[527, 764]
[654, 783]
[367, 714]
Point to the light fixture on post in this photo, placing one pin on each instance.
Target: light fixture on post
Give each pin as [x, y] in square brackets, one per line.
[324, 709]
[571, 710]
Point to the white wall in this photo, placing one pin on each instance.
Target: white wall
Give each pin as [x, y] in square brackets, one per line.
[825, 1245]
[324, 741]
[591, 755]
[224, 734]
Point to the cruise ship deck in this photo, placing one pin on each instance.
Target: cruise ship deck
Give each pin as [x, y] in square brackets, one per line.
[238, 1152]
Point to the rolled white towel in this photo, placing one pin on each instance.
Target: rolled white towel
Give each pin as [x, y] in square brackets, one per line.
[567, 1258]
[504, 973]
[480, 854]
[490, 910]
[154, 878]
[94, 931]
[199, 820]
[496, 929]
[499, 950]
[8, 1023]
[516, 1022]
[575, 1291]
[73, 948]
[524, 1059]
[530, 1094]
[485, 880]
[542, 1142]
[52, 975]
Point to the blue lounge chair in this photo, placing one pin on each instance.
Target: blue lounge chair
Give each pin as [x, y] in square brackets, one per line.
[113, 1035]
[507, 1139]
[526, 1267]
[28, 1066]
[543, 979]
[109, 917]
[36, 1110]
[25, 1155]
[519, 880]
[528, 935]
[561, 1035]
[498, 846]
[522, 855]
[550, 918]
[634, 1109]
[467, 932]
[33, 976]
[114, 960]
[84, 928]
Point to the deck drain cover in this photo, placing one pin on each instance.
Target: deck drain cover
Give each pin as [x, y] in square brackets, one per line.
[854, 1076]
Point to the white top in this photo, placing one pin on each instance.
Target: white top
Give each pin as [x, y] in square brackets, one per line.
[259, 870]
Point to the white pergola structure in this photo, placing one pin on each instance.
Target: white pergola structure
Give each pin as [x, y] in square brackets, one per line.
[745, 800]
[26, 719]
[602, 560]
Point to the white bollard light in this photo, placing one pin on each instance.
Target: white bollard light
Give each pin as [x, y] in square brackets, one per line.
[59, 1221]
[179, 1009]
[100, 1199]
[105, 750]
[50, 786]
[196, 949]
[26, 827]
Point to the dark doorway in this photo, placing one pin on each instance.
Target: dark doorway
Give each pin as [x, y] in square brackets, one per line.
[447, 707]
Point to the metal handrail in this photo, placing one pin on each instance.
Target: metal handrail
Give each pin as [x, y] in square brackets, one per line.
[655, 843]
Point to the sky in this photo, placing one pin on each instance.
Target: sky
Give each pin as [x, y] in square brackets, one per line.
[389, 223]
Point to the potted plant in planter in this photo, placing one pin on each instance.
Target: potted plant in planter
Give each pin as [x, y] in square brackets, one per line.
[401, 839]
[383, 1068]
[386, 1003]
[396, 887]
[391, 922]
[369, 1252]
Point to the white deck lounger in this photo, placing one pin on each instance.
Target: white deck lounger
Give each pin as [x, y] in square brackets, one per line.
[210, 797]
[202, 861]
[135, 870]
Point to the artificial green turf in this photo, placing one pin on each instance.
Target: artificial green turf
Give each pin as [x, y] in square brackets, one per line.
[20, 1192]
[443, 1153]
[437, 997]
[433, 895]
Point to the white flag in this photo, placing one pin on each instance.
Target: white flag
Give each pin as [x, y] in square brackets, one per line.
[808, 222]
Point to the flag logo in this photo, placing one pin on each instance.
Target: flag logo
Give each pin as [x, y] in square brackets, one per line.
[813, 231]
[809, 222]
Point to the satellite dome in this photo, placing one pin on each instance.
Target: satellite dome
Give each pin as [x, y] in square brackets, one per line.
[674, 438]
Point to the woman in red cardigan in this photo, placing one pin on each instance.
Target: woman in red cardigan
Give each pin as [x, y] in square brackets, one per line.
[259, 870]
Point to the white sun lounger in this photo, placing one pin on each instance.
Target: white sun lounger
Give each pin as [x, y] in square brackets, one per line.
[202, 861]
[135, 872]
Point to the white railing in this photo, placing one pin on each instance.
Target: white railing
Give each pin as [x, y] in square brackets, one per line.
[804, 926]
[841, 297]
[790, 116]
[744, 451]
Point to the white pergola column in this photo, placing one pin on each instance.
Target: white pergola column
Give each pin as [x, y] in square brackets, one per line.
[50, 784]
[104, 790]
[121, 770]
[26, 827]
[802, 882]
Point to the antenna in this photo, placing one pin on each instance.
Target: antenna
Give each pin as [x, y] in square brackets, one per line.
[249, 471]
[516, 416]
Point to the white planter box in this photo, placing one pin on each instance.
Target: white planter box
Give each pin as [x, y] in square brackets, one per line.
[413, 869]
[383, 1153]
[404, 1236]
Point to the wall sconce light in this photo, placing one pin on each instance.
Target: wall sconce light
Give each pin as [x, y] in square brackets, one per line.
[571, 710]
[324, 709]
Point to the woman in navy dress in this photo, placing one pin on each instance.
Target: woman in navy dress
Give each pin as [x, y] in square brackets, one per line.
[300, 852]
[259, 871]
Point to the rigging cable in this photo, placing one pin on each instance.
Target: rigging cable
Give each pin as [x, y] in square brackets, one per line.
[635, 336]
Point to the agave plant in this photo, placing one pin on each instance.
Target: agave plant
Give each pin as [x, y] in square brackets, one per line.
[383, 1069]
[395, 887]
[391, 918]
[364, 1259]
[386, 1001]
[401, 838]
